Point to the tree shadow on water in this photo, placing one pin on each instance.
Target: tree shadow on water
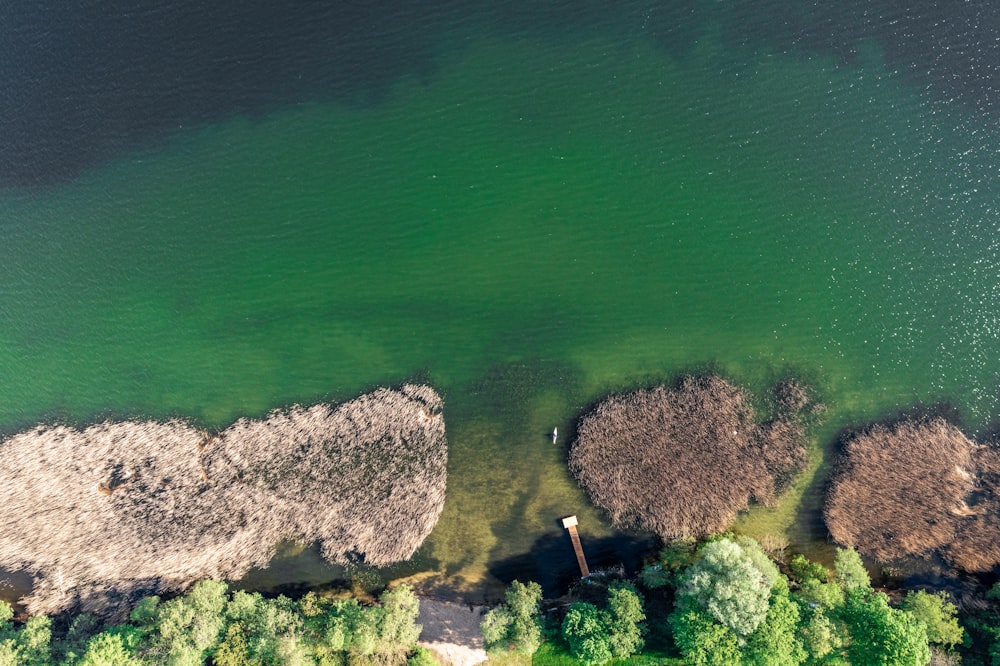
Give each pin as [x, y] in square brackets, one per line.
[551, 561]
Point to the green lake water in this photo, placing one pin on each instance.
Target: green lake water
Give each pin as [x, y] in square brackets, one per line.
[529, 227]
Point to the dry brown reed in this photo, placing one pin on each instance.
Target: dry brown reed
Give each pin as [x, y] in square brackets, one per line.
[977, 542]
[129, 508]
[683, 462]
[898, 489]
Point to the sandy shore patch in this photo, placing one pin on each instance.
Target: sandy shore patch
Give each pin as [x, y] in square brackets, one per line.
[451, 630]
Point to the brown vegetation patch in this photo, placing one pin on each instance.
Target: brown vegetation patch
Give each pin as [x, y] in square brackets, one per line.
[917, 488]
[898, 489]
[977, 542]
[144, 507]
[684, 461]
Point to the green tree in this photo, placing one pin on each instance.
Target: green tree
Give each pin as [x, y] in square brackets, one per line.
[271, 628]
[107, 649]
[339, 624]
[775, 642]
[850, 570]
[586, 630]
[397, 619]
[938, 616]
[701, 640]
[27, 646]
[881, 635]
[597, 635]
[514, 625]
[804, 570]
[625, 618]
[763, 563]
[726, 583]
[233, 651]
[188, 627]
[820, 636]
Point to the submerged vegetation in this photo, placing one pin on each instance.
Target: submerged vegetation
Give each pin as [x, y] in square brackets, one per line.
[104, 515]
[684, 461]
[918, 488]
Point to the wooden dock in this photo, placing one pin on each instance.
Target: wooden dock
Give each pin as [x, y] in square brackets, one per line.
[570, 524]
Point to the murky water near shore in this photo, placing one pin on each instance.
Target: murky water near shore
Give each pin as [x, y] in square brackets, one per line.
[528, 215]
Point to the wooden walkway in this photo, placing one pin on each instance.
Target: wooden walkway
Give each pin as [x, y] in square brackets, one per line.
[570, 525]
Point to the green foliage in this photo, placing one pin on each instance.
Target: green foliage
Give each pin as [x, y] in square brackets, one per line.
[514, 626]
[421, 657]
[775, 642]
[701, 640]
[340, 623]
[677, 555]
[188, 627]
[268, 630]
[596, 635]
[726, 583]
[207, 625]
[29, 646]
[75, 642]
[495, 628]
[821, 595]
[938, 616]
[585, 629]
[107, 649]
[850, 571]
[8, 652]
[397, 619]
[233, 651]
[144, 613]
[626, 614]
[762, 562]
[820, 636]
[6, 613]
[881, 635]
[804, 570]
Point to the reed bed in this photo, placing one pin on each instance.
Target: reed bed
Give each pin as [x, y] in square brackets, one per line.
[683, 462]
[918, 488]
[977, 542]
[898, 489]
[122, 509]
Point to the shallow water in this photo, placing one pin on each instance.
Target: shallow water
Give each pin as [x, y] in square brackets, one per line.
[526, 211]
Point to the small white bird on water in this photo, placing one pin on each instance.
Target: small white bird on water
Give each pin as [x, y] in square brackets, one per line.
[555, 435]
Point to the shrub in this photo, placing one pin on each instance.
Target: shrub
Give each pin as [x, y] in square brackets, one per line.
[514, 626]
[805, 570]
[422, 657]
[596, 635]
[938, 616]
[850, 570]
[881, 635]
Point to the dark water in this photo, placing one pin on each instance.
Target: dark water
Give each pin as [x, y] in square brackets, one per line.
[213, 211]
